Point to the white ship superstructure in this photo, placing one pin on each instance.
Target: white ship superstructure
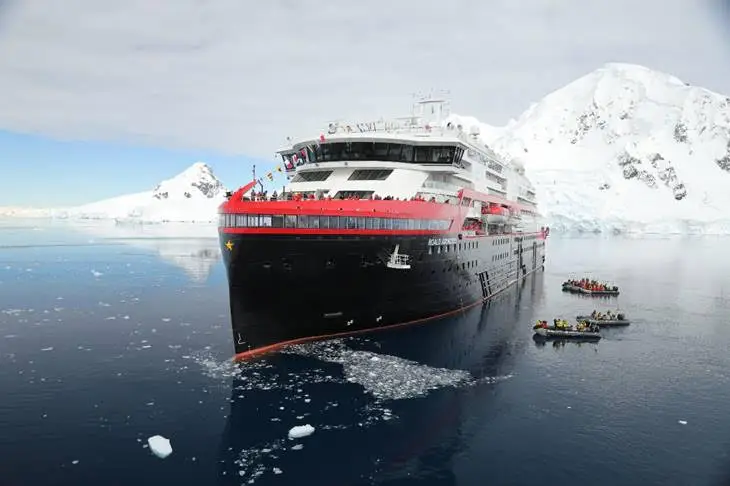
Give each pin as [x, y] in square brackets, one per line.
[420, 156]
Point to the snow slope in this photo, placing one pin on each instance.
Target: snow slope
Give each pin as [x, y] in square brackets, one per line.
[627, 149]
[488, 133]
[191, 196]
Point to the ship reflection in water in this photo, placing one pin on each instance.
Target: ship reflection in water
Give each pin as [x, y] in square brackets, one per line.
[387, 407]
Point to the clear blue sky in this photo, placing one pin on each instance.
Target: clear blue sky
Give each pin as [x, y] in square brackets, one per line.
[42, 172]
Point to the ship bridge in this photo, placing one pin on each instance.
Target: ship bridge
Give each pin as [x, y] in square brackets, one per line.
[414, 156]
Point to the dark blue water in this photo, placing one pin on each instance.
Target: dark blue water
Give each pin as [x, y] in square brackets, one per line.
[111, 335]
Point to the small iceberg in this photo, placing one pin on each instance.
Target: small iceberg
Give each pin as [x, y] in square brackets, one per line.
[159, 446]
[300, 431]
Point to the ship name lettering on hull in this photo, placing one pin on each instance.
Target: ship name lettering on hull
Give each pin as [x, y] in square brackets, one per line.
[442, 241]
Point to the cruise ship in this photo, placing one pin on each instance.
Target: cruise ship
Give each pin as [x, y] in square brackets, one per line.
[381, 224]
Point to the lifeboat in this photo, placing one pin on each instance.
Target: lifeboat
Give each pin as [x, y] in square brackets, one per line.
[495, 213]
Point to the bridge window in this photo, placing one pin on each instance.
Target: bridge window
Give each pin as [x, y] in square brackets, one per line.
[312, 176]
[435, 155]
[388, 152]
[370, 175]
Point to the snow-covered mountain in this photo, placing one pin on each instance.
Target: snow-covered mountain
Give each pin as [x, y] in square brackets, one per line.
[626, 149]
[191, 196]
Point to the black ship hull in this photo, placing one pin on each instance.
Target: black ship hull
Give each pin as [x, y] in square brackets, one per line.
[291, 288]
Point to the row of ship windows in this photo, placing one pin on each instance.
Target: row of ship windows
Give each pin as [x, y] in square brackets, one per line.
[329, 222]
[505, 241]
[500, 256]
[467, 245]
[357, 175]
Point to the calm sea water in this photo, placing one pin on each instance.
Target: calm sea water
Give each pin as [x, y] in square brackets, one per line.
[109, 335]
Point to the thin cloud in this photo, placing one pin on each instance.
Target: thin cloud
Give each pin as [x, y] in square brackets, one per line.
[238, 77]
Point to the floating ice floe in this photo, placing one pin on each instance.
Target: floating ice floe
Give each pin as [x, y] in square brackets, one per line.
[159, 446]
[384, 376]
[299, 431]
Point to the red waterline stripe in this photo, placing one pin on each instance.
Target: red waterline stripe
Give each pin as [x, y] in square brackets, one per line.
[258, 352]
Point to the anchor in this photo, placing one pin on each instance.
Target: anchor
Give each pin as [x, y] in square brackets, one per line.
[239, 341]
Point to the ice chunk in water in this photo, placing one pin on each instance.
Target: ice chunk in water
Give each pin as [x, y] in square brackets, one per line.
[300, 431]
[160, 446]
